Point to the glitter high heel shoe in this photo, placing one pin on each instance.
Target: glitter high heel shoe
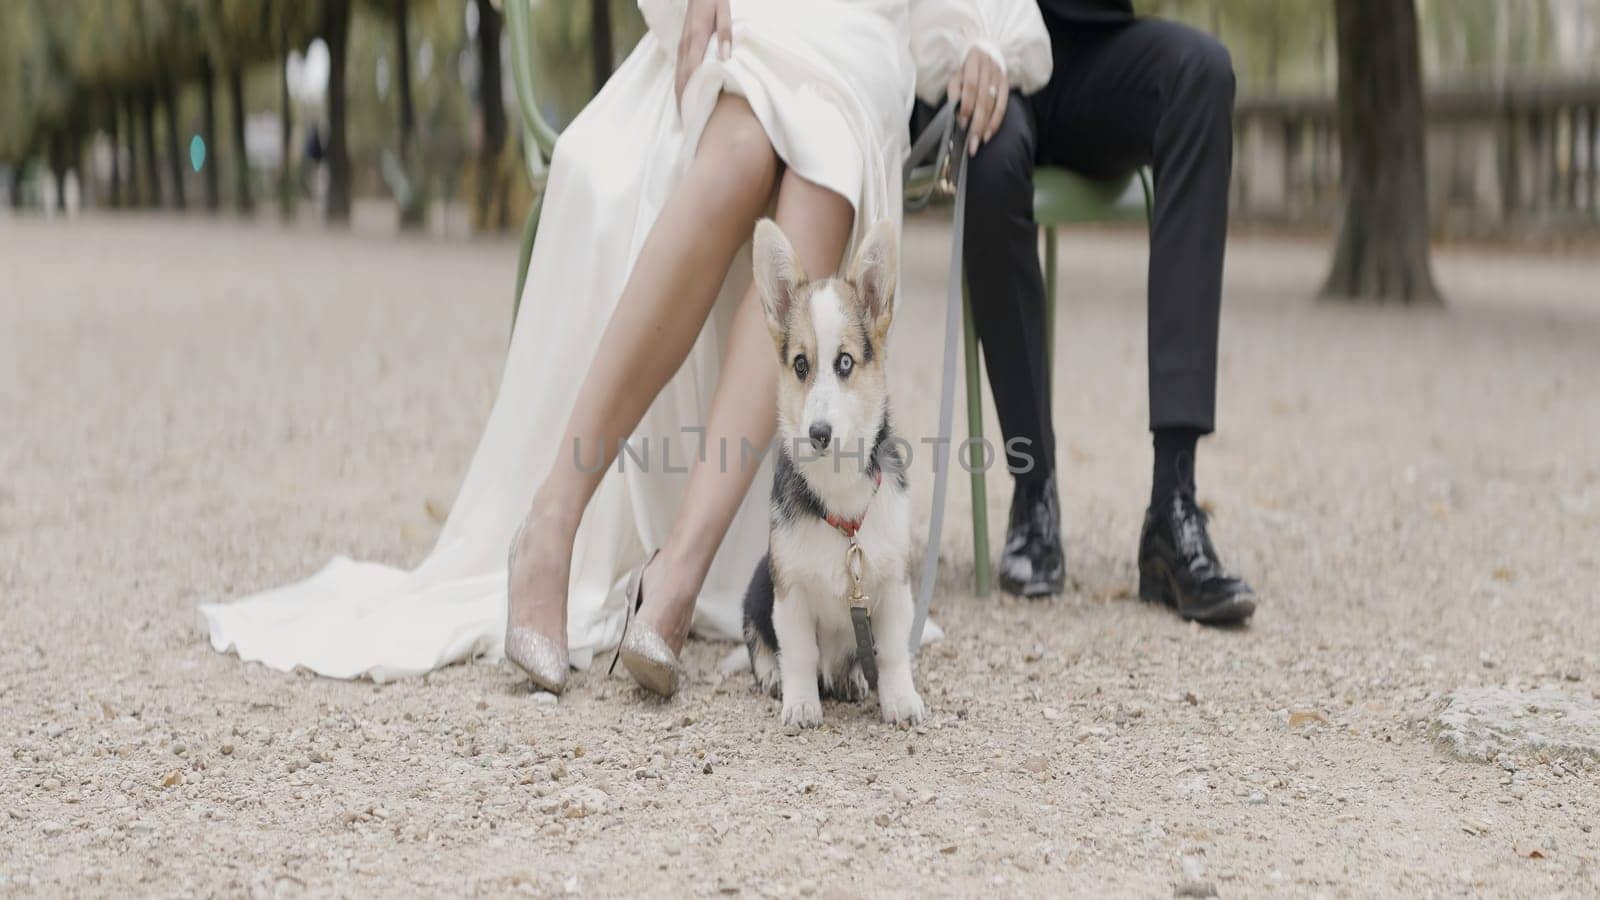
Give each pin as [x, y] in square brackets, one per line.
[643, 651]
[542, 659]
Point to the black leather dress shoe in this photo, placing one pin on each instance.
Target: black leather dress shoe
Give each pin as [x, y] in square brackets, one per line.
[1030, 564]
[1179, 567]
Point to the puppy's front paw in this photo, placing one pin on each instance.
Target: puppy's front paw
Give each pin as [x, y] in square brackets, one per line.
[803, 713]
[901, 707]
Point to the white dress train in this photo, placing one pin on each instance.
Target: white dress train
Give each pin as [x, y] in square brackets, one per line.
[831, 82]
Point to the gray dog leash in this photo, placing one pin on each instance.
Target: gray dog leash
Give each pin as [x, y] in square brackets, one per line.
[945, 141]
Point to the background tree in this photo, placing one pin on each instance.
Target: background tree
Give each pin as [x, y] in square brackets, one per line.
[114, 197]
[138, 190]
[412, 198]
[336, 32]
[147, 136]
[490, 211]
[1382, 251]
[175, 142]
[208, 134]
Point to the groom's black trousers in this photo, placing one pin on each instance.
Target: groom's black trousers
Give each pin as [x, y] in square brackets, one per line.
[1145, 92]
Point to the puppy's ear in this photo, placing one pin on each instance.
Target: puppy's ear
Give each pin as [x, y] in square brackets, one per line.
[874, 272]
[778, 276]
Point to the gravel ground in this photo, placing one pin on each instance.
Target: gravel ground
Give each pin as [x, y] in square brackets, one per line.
[198, 409]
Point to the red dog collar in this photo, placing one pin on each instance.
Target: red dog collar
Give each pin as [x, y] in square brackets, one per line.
[849, 527]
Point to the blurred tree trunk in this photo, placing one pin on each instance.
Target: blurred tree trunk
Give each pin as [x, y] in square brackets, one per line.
[114, 200]
[286, 132]
[1382, 253]
[14, 189]
[241, 159]
[336, 31]
[491, 212]
[169, 99]
[58, 167]
[600, 40]
[408, 111]
[77, 136]
[152, 163]
[208, 134]
[130, 193]
[411, 205]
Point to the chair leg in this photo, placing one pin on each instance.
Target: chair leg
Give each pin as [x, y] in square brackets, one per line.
[1149, 197]
[980, 493]
[1050, 300]
[530, 229]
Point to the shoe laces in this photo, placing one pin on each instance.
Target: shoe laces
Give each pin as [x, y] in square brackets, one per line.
[1193, 541]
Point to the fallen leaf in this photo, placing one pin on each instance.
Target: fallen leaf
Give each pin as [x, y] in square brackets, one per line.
[173, 779]
[1528, 851]
[1306, 717]
[1502, 574]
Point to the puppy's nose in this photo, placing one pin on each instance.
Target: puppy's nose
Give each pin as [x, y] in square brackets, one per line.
[821, 434]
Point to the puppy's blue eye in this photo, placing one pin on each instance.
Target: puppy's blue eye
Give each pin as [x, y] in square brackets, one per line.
[802, 368]
[843, 365]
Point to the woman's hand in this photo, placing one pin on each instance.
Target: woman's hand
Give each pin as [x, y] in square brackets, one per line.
[980, 91]
[704, 19]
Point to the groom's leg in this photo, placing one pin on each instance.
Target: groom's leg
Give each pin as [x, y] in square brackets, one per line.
[1007, 288]
[1161, 94]
[1158, 93]
[1008, 301]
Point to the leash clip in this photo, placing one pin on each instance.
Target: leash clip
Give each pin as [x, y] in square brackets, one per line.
[853, 563]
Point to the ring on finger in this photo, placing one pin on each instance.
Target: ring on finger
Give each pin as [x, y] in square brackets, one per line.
[993, 91]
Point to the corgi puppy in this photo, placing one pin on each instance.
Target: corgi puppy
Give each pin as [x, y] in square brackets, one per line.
[839, 481]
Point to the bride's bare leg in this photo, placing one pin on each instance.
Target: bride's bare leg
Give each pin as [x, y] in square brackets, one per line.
[662, 308]
[818, 221]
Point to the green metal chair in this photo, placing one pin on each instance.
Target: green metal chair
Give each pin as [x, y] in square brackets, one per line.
[1060, 197]
[538, 138]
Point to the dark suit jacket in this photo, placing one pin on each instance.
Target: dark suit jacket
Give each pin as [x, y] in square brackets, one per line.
[1061, 13]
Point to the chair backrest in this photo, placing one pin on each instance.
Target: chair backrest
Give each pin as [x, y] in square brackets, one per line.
[539, 138]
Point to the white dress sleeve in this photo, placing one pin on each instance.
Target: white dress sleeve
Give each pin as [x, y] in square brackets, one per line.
[1012, 32]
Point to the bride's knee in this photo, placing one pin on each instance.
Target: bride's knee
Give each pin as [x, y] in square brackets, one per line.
[736, 145]
[806, 201]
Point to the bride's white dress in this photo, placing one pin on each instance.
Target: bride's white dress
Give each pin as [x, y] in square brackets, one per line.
[831, 82]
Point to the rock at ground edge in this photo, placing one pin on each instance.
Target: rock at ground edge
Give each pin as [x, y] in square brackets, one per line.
[1480, 724]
